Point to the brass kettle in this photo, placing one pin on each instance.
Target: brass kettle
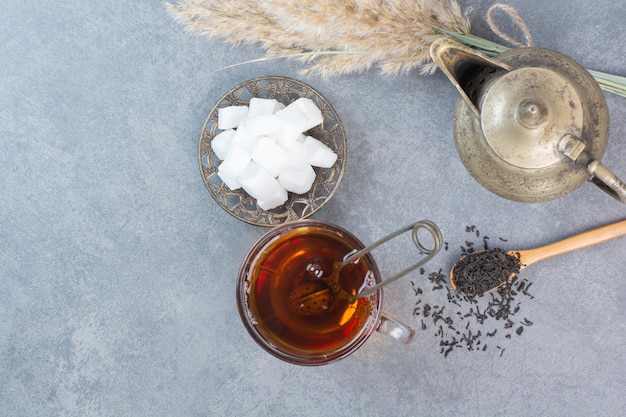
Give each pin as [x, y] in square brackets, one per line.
[531, 125]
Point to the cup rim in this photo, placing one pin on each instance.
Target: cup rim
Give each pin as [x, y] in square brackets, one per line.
[322, 359]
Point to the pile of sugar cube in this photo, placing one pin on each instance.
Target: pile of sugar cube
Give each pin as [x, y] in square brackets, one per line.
[264, 148]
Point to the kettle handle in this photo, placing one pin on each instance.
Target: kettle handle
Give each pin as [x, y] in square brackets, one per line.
[459, 63]
[606, 180]
[573, 148]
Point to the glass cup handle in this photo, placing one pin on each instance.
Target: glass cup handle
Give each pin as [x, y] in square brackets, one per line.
[395, 329]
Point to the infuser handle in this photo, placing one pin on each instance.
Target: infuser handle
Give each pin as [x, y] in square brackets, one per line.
[607, 181]
[429, 253]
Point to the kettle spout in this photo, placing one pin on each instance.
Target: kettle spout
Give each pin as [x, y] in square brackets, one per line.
[467, 69]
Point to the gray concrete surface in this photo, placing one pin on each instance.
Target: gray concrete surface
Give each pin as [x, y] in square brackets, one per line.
[118, 269]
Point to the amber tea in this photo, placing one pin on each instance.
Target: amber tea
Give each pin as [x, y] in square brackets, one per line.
[292, 312]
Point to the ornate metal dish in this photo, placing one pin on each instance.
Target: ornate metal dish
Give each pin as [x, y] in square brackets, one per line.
[238, 203]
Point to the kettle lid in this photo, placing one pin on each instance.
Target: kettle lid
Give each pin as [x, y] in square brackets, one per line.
[526, 111]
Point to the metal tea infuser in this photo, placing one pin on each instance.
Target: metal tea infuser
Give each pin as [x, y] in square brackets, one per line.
[309, 292]
[321, 296]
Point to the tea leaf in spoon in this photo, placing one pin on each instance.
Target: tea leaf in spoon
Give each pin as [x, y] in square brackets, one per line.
[482, 271]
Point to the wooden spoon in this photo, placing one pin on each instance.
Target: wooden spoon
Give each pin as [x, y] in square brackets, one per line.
[529, 257]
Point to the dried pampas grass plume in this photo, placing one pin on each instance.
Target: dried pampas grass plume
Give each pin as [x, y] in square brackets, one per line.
[333, 37]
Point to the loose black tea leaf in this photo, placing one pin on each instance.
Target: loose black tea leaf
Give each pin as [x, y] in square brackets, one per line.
[479, 272]
[462, 321]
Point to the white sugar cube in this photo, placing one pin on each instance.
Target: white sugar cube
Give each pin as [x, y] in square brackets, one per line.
[231, 183]
[274, 201]
[297, 180]
[263, 106]
[305, 112]
[261, 185]
[265, 150]
[270, 155]
[236, 161]
[222, 142]
[279, 107]
[297, 155]
[297, 118]
[290, 131]
[244, 138]
[318, 154]
[262, 125]
[230, 117]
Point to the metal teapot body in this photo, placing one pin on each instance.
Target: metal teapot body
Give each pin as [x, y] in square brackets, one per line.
[531, 125]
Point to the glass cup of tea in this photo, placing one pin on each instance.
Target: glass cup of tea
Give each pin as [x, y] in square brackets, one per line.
[309, 292]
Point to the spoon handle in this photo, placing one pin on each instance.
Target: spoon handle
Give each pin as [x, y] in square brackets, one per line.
[582, 240]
